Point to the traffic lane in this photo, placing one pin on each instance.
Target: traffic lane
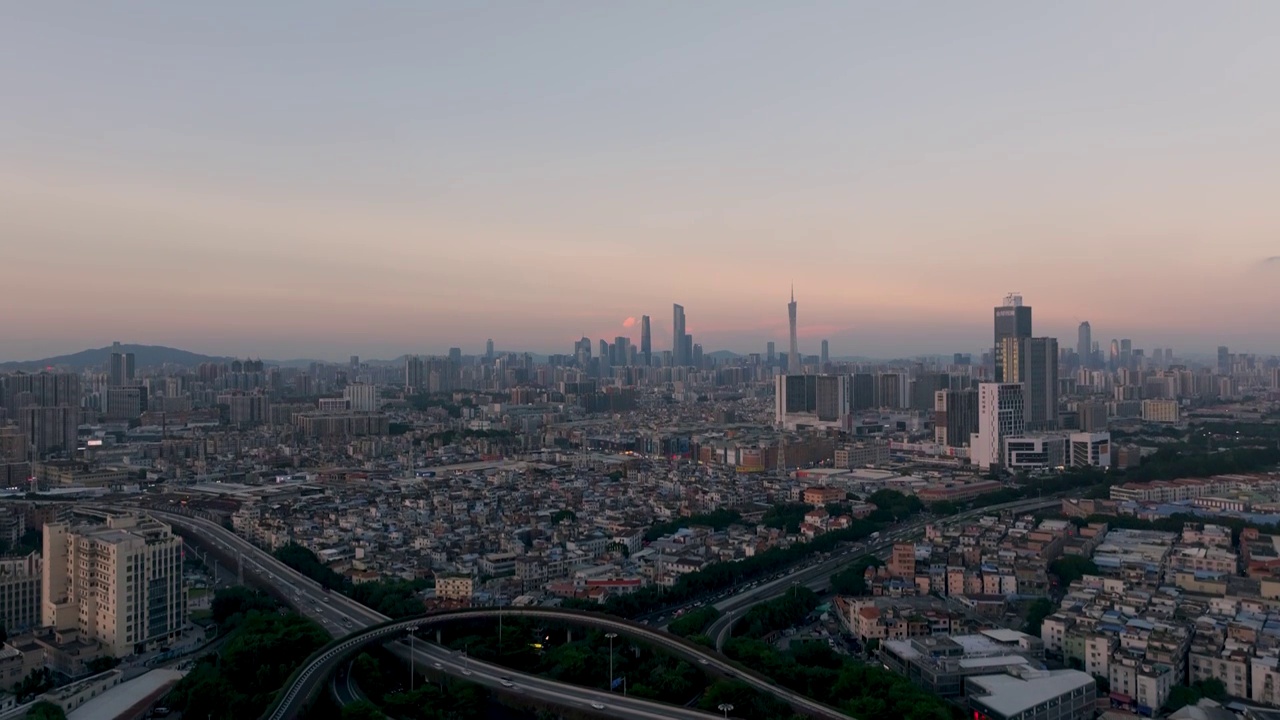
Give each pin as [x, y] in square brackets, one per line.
[831, 565]
[328, 615]
[492, 676]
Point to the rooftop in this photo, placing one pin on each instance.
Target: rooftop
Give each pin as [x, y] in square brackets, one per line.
[1009, 695]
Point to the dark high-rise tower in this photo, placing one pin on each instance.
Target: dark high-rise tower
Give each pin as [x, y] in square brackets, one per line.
[1224, 360]
[1034, 363]
[826, 353]
[646, 342]
[793, 360]
[120, 370]
[1012, 320]
[677, 336]
[1084, 345]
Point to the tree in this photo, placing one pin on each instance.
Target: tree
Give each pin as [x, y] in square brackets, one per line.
[944, 508]
[892, 505]
[694, 621]
[37, 681]
[1212, 688]
[1040, 609]
[1070, 568]
[1180, 696]
[45, 710]
[257, 658]
[852, 580]
[231, 604]
[362, 710]
[101, 664]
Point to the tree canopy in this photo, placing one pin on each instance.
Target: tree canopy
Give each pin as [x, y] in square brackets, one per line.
[1070, 568]
[258, 656]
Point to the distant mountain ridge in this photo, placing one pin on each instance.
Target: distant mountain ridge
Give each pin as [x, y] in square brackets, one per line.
[143, 356]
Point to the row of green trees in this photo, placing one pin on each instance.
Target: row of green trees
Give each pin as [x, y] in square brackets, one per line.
[723, 575]
[719, 519]
[393, 598]
[893, 507]
[1183, 695]
[639, 669]
[777, 614]
[542, 648]
[694, 622]
[852, 580]
[818, 672]
[262, 648]
[384, 680]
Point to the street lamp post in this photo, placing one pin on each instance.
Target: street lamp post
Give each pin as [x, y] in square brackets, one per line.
[611, 636]
[724, 708]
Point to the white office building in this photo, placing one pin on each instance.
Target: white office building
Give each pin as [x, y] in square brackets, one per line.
[1001, 414]
[1091, 449]
[815, 401]
[1047, 450]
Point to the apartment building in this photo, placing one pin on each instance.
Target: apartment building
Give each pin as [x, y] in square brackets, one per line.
[1160, 411]
[119, 583]
[20, 592]
[454, 587]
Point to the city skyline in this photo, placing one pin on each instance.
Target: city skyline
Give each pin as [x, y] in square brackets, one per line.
[419, 178]
[636, 329]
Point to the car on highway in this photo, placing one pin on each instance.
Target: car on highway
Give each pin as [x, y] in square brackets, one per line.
[597, 706]
[437, 666]
[506, 682]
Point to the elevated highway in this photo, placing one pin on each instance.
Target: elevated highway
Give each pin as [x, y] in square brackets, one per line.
[316, 672]
[817, 576]
[342, 616]
[358, 626]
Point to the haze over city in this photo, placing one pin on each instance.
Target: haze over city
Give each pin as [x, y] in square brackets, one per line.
[316, 179]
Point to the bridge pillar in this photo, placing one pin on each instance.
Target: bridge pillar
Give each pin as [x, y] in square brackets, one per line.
[438, 639]
[568, 636]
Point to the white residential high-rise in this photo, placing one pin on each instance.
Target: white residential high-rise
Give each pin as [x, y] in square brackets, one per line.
[119, 583]
[793, 360]
[361, 397]
[1001, 414]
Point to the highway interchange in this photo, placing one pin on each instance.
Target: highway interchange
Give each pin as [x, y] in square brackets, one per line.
[342, 616]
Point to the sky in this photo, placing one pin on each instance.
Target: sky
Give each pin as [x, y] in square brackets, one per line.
[306, 178]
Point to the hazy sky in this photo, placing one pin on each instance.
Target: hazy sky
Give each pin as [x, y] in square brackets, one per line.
[312, 178]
